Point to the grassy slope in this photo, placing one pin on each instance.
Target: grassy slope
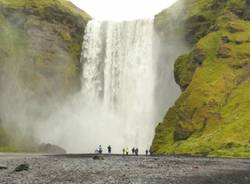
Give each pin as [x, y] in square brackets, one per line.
[40, 6]
[214, 109]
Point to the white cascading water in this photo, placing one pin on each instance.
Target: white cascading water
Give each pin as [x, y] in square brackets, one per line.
[119, 75]
[126, 90]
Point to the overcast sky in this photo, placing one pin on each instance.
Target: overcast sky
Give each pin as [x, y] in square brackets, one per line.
[122, 9]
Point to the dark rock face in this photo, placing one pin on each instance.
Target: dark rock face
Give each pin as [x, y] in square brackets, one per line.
[181, 134]
[243, 12]
[248, 3]
[196, 27]
[247, 15]
[199, 56]
[49, 148]
[22, 167]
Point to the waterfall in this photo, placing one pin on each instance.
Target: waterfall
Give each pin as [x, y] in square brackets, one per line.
[127, 87]
[119, 75]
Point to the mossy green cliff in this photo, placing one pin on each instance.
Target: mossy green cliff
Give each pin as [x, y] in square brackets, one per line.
[40, 48]
[212, 115]
[46, 36]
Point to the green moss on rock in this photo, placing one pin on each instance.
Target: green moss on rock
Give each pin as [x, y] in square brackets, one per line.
[212, 117]
[40, 52]
[50, 37]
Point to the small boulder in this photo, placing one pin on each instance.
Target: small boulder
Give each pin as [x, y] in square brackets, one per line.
[238, 42]
[98, 157]
[224, 52]
[225, 39]
[22, 167]
[181, 133]
[3, 167]
[234, 29]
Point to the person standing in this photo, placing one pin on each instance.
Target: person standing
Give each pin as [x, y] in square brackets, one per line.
[123, 151]
[133, 151]
[126, 151]
[100, 149]
[147, 152]
[136, 151]
[109, 149]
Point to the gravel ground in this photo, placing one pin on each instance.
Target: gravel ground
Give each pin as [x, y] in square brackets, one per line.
[124, 170]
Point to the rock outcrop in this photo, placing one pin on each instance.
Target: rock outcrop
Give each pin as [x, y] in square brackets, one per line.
[22, 167]
[211, 117]
[42, 40]
[40, 52]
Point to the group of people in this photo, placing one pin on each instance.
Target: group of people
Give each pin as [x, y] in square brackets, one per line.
[134, 151]
[100, 150]
[125, 151]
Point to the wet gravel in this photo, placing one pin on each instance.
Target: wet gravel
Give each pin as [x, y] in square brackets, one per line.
[124, 170]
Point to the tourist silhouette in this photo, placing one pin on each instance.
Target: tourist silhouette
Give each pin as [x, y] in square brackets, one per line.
[136, 151]
[100, 149]
[133, 150]
[123, 151]
[109, 149]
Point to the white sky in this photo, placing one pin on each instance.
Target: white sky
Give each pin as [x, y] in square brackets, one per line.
[122, 9]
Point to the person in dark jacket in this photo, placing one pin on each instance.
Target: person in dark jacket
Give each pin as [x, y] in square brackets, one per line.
[133, 151]
[136, 151]
[109, 149]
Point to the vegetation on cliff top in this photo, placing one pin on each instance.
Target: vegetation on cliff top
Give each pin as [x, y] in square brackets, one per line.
[212, 115]
[42, 6]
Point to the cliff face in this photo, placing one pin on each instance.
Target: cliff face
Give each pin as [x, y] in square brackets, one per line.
[211, 117]
[42, 40]
[40, 51]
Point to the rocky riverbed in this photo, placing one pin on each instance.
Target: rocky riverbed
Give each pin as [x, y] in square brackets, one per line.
[123, 170]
